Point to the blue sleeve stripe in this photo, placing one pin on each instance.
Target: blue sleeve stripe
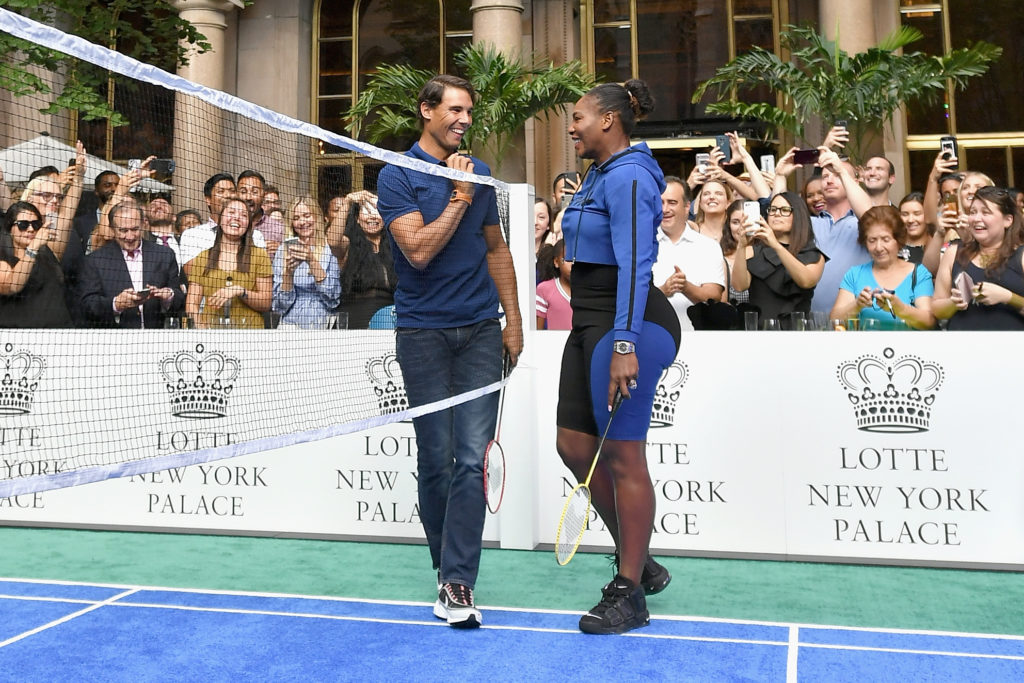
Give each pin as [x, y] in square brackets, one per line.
[632, 267]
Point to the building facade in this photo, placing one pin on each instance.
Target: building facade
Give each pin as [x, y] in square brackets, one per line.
[310, 59]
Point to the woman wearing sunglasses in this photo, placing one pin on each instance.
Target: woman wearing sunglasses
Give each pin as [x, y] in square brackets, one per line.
[782, 264]
[31, 279]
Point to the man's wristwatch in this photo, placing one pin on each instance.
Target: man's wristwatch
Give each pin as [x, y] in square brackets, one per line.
[461, 197]
[624, 347]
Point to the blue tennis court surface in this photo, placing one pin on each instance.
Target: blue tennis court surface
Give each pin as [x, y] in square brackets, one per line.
[51, 631]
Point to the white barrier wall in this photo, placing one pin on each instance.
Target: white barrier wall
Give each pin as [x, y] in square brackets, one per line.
[896, 447]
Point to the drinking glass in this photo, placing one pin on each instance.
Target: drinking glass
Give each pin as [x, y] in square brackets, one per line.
[771, 325]
[750, 320]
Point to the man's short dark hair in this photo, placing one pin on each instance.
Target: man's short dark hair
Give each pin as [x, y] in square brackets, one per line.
[251, 174]
[43, 170]
[103, 174]
[679, 181]
[432, 92]
[214, 179]
[959, 177]
[166, 196]
[892, 167]
[270, 189]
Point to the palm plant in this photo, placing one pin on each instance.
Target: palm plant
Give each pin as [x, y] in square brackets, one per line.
[865, 89]
[509, 93]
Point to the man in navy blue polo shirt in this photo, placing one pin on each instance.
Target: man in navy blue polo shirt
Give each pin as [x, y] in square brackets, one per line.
[453, 268]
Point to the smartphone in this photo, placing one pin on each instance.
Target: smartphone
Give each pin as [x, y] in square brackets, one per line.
[950, 202]
[768, 163]
[162, 167]
[804, 157]
[145, 293]
[134, 164]
[72, 162]
[291, 240]
[948, 147]
[703, 159]
[722, 143]
[965, 284]
[880, 302]
[752, 210]
[841, 123]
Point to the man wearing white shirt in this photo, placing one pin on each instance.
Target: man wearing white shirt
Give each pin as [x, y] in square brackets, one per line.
[194, 241]
[690, 266]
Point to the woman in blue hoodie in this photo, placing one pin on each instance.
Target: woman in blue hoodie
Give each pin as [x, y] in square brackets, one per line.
[625, 333]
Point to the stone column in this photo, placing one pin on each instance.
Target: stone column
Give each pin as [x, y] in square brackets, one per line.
[855, 20]
[499, 22]
[199, 141]
[274, 62]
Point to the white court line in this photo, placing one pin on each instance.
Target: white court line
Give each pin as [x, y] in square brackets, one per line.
[66, 618]
[907, 651]
[692, 619]
[436, 622]
[792, 654]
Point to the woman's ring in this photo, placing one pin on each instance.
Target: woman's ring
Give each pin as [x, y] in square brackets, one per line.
[632, 383]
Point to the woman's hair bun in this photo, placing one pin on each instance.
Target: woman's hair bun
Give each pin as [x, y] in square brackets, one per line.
[640, 98]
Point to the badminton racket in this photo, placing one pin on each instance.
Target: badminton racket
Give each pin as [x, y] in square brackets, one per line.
[576, 511]
[494, 456]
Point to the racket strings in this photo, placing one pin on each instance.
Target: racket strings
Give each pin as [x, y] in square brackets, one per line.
[574, 521]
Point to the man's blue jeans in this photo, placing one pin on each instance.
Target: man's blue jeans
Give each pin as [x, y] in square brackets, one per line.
[437, 364]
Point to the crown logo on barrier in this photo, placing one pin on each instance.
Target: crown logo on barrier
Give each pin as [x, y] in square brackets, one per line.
[388, 384]
[19, 377]
[199, 383]
[891, 395]
[670, 386]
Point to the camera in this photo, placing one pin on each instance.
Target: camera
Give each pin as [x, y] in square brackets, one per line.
[841, 123]
[768, 163]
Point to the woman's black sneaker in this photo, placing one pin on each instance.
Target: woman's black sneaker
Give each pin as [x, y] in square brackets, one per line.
[623, 607]
[655, 578]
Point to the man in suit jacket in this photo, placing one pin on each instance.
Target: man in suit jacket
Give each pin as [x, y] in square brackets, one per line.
[131, 283]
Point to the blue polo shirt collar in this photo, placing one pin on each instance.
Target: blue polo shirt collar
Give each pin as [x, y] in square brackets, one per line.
[420, 153]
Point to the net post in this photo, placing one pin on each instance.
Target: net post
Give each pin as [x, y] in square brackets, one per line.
[518, 526]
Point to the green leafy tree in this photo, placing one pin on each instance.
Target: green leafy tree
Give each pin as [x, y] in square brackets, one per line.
[148, 30]
[509, 93]
[866, 88]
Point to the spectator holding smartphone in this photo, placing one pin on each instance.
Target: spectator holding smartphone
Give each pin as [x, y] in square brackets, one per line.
[887, 288]
[131, 282]
[980, 284]
[307, 280]
[565, 186]
[784, 265]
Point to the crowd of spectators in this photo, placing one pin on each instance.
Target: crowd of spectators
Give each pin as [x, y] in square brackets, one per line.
[250, 259]
[842, 254]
